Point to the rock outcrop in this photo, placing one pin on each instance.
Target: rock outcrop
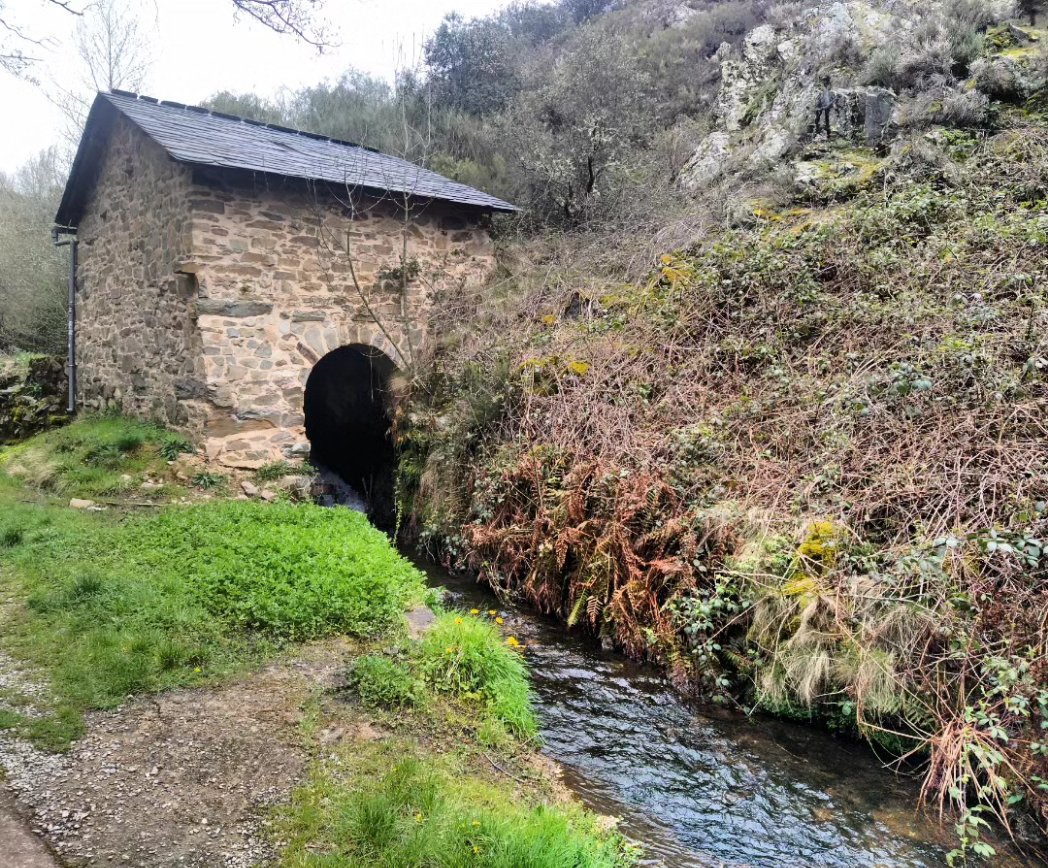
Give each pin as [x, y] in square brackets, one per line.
[765, 110]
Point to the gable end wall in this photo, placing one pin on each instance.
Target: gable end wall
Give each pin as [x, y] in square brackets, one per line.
[138, 348]
[276, 293]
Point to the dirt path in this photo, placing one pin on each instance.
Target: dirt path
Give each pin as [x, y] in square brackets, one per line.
[182, 779]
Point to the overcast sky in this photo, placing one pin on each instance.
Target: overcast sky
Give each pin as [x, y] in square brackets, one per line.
[199, 47]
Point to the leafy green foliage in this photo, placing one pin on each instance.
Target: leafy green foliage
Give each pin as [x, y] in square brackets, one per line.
[276, 470]
[291, 570]
[404, 810]
[383, 682]
[189, 594]
[209, 481]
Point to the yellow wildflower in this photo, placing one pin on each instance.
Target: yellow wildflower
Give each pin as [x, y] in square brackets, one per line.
[492, 612]
[499, 620]
[449, 650]
[512, 642]
[458, 620]
[474, 611]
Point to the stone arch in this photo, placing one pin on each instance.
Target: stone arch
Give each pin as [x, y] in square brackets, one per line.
[348, 416]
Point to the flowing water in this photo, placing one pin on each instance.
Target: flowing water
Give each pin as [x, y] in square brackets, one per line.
[696, 789]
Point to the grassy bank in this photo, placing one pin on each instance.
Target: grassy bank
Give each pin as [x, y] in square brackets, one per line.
[144, 596]
[799, 463]
[151, 602]
[409, 807]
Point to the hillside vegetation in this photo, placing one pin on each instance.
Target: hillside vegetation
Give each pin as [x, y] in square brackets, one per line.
[788, 437]
[764, 407]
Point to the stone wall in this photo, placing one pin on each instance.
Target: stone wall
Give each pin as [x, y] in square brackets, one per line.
[138, 346]
[274, 264]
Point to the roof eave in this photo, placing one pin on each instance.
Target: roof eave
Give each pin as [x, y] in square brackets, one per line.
[67, 217]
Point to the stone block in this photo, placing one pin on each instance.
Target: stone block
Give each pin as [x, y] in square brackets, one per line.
[220, 307]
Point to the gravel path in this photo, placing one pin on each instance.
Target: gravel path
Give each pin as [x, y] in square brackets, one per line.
[180, 779]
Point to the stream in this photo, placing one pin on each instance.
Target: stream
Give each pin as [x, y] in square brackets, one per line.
[696, 789]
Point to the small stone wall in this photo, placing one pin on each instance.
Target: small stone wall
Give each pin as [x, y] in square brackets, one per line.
[33, 397]
[208, 298]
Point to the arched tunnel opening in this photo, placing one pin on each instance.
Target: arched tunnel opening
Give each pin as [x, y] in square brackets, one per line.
[348, 410]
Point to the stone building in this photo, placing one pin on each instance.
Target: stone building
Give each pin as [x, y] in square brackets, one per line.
[235, 278]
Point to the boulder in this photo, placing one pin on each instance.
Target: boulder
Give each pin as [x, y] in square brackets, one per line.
[880, 108]
[1001, 78]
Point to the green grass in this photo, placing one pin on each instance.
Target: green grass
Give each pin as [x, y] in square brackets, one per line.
[390, 807]
[277, 470]
[385, 683]
[467, 657]
[93, 457]
[184, 596]
[461, 671]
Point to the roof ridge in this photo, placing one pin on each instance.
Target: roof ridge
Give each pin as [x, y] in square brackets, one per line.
[167, 103]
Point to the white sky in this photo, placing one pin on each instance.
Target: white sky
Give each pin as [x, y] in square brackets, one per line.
[199, 48]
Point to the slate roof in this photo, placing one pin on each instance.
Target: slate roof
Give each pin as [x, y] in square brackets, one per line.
[201, 137]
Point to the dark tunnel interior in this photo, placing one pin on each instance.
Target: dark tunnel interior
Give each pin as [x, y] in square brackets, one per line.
[348, 410]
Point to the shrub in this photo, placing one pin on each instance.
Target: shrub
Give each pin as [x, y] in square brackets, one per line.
[467, 657]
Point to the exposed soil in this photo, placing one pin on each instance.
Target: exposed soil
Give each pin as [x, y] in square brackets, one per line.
[183, 778]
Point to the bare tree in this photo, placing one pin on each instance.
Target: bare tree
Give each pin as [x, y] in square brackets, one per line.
[114, 52]
[298, 18]
[32, 272]
[22, 47]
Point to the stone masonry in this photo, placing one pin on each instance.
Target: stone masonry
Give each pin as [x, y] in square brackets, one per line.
[206, 298]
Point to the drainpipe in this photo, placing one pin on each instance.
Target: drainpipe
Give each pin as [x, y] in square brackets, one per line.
[71, 320]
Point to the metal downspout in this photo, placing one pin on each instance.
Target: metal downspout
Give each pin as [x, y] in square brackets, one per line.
[71, 317]
[71, 364]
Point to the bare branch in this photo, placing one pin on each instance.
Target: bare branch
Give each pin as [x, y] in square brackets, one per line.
[298, 18]
[66, 6]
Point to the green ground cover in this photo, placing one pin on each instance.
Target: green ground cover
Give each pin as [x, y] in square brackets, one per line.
[103, 605]
[394, 805]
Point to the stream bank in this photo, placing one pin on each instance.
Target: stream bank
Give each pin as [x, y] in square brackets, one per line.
[697, 789]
